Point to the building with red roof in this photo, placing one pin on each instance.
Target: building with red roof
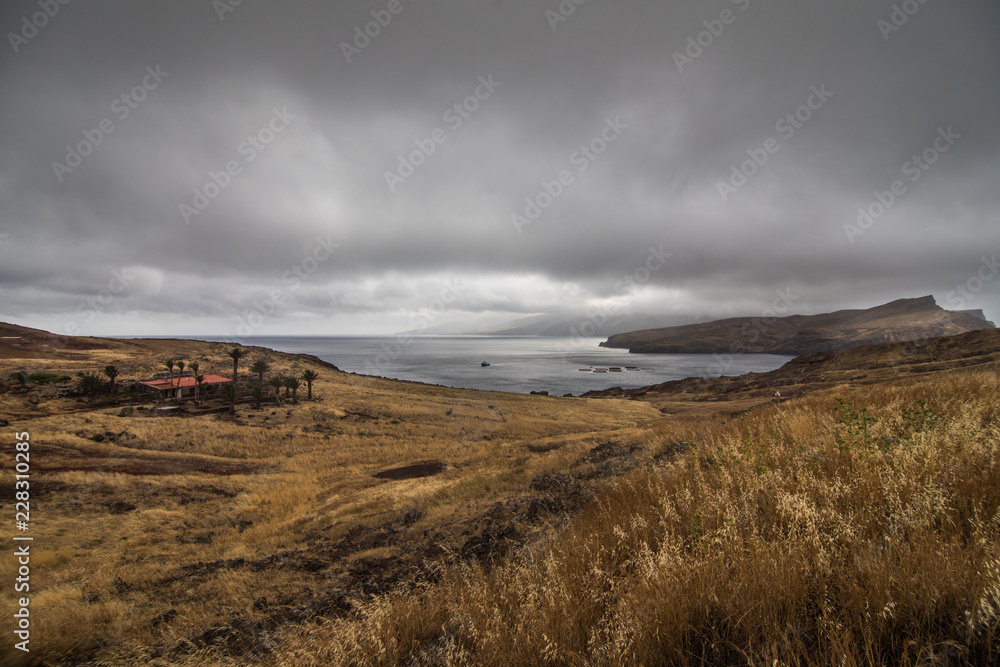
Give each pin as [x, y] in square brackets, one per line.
[184, 387]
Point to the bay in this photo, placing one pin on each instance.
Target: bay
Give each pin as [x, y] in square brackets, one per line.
[519, 364]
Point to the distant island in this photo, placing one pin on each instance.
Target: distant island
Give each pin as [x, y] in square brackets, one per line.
[901, 320]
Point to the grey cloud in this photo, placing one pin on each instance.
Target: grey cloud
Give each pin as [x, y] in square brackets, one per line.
[323, 177]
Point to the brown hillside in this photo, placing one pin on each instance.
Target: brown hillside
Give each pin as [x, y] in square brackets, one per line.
[901, 320]
[863, 365]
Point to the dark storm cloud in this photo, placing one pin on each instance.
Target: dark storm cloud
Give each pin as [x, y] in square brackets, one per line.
[260, 107]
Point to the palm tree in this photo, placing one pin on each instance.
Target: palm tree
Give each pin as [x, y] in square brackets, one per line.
[293, 384]
[198, 379]
[236, 354]
[260, 367]
[194, 372]
[229, 391]
[180, 375]
[277, 382]
[257, 393]
[170, 364]
[310, 376]
[112, 373]
[90, 384]
[285, 381]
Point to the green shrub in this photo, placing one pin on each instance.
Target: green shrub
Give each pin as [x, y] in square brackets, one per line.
[47, 378]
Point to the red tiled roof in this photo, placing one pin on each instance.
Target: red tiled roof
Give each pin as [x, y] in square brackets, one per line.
[166, 385]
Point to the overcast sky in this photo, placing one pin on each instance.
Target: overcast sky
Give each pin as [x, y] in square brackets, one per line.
[184, 167]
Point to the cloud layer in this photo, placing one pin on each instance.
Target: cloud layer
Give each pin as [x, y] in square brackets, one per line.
[347, 162]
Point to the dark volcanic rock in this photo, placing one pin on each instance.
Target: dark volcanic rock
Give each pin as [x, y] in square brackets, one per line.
[609, 450]
[119, 507]
[672, 451]
[493, 543]
[545, 481]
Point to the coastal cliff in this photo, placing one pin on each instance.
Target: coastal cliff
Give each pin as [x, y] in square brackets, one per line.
[901, 320]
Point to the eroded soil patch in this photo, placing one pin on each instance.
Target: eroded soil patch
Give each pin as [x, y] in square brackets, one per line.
[415, 470]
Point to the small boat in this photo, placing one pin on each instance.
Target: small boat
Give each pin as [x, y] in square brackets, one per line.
[485, 363]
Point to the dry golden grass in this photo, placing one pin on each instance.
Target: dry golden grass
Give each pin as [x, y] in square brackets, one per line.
[804, 532]
[799, 534]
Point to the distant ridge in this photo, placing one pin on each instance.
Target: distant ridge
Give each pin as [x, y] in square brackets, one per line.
[901, 320]
[978, 314]
[556, 325]
[579, 325]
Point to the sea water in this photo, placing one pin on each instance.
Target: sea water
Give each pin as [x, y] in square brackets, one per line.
[519, 364]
